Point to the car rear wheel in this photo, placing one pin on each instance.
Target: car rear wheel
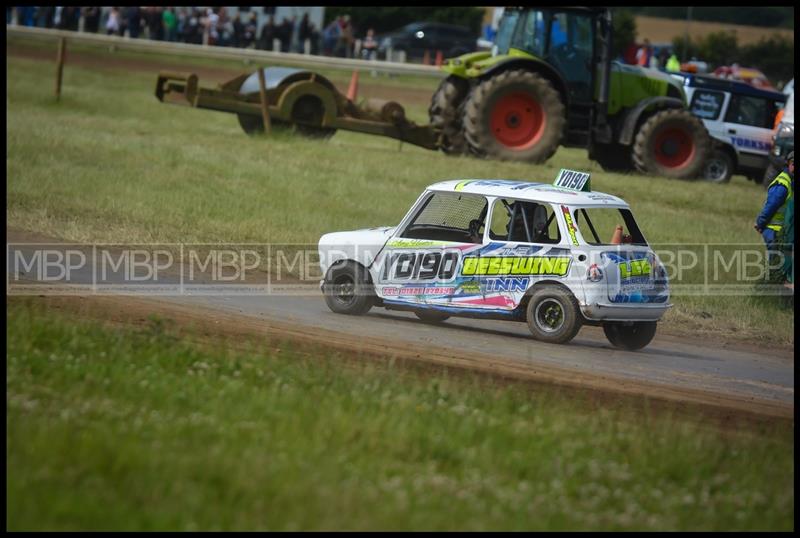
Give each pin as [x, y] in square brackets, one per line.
[348, 290]
[631, 335]
[553, 315]
[718, 167]
[431, 316]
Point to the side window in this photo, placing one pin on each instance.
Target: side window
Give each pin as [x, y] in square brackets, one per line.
[752, 111]
[449, 217]
[706, 104]
[505, 31]
[530, 35]
[526, 222]
[598, 225]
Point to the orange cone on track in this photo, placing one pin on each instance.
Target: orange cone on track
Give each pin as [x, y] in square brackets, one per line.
[439, 58]
[426, 58]
[616, 239]
[352, 90]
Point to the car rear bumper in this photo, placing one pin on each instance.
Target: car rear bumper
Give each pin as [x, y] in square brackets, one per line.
[624, 312]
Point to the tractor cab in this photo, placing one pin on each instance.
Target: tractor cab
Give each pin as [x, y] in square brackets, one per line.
[562, 38]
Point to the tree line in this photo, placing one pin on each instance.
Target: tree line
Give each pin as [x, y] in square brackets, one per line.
[773, 54]
[767, 16]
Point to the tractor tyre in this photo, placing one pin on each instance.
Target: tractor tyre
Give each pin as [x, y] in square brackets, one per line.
[446, 111]
[613, 157]
[672, 143]
[516, 115]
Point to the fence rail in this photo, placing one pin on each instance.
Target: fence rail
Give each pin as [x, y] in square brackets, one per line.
[223, 53]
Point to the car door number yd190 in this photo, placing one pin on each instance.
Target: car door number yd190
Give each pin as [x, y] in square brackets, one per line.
[431, 265]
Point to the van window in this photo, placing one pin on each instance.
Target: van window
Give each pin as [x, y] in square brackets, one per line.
[707, 104]
[752, 111]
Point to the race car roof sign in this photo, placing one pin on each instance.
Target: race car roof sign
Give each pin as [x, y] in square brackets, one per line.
[573, 180]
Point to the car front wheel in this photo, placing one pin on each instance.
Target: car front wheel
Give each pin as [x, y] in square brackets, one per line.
[348, 290]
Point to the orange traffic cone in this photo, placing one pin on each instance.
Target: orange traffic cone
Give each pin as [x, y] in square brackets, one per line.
[616, 239]
[352, 90]
[426, 58]
[439, 58]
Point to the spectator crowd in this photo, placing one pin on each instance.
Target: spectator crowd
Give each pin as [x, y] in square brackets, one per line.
[207, 26]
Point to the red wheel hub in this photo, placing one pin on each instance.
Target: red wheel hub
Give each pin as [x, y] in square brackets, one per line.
[517, 121]
[674, 147]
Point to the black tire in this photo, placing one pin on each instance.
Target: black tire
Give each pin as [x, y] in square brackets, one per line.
[553, 315]
[307, 108]
[672, 143]
[629, 335]
[254, 125]
[431, 316]
[515, 115]
[718, 167]
[446, 111]
[613, 157]
[348, 290]
[769, 175]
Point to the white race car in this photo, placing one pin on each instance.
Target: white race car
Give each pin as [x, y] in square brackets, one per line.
[555, 256]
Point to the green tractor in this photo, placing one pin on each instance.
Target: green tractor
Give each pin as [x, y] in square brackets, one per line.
[549, 81]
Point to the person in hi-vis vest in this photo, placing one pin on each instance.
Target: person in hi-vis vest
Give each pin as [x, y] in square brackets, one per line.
[770, 221]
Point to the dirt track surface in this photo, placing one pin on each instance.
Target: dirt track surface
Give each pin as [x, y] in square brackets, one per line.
[735, 378]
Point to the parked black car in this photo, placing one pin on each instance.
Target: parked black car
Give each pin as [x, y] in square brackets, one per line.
[415, 38]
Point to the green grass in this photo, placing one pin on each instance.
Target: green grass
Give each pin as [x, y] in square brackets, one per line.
[137, 429]
[110, 163]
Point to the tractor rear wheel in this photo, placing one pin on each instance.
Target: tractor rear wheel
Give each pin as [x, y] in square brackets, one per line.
[672, 143]
[446, 111]
[516, 115]
[613, 157]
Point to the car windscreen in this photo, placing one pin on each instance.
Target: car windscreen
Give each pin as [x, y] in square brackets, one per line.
[445, 216]
[598, 226]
